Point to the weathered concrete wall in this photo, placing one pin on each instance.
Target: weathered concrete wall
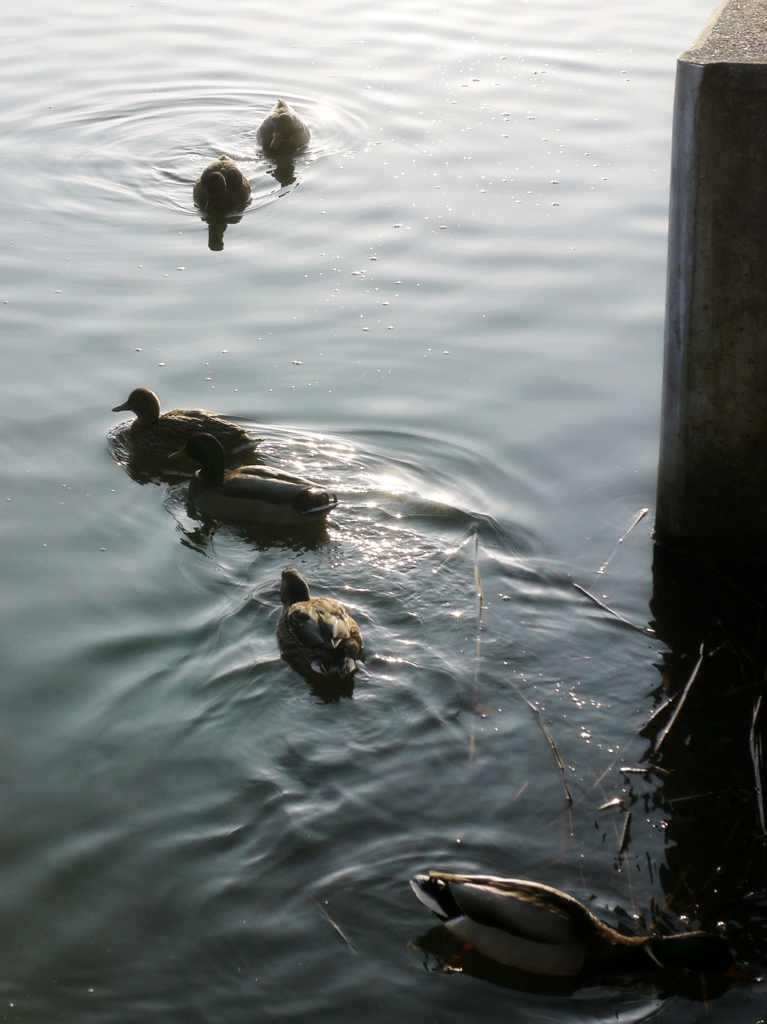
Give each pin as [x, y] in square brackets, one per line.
[712, 482]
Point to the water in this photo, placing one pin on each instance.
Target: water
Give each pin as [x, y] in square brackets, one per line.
[453, 317]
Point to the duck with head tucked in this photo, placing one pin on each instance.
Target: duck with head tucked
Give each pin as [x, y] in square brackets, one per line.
[163, 434]
[316, 634]
[282, 132]
[221, 187]
[534, 927]
[255, 494]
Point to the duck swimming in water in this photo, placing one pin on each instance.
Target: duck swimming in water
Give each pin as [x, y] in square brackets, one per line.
[251, 493]
[222, 186]
[316, 634]
[536, 928]
[163, 434]
[282, 132]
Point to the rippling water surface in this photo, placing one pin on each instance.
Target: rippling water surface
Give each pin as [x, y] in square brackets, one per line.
[450, 313]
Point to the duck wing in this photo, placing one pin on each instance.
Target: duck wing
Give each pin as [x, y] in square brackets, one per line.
[529, 909]
[333, 622]
[514, 911]
[317, 623]
[179, 425]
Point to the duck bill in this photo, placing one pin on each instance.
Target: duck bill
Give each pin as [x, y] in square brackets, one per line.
[180, 454]
[121, 408]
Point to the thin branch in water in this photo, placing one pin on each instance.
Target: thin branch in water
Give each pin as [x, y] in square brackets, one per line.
[638, 517]
[604, 775]
[616, 801]
[756, 757]
[547, 734]
[682, 699]
[626, 833]
[332, 922]
[451, 554]
[478, 647]
[627, 622]
[657, 712]
[634, 522]
[477, 580]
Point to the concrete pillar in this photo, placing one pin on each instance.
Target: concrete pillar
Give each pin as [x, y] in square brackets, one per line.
[712, 480]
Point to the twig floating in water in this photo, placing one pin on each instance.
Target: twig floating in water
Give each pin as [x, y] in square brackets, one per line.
[682, 699]
[330, 919]
[756, 757]
[615, 802]
[626, 834]
[478, 647]
[611, 611]
[477, 580]
[547, 734]
[634, 522]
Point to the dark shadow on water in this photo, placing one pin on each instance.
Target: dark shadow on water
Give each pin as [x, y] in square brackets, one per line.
[705, 737]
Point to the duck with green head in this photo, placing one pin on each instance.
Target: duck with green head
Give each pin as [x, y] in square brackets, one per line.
[282, 132]
[221, 187]
[254, 494]
[163, 434]
[536, 928]
[316, 634]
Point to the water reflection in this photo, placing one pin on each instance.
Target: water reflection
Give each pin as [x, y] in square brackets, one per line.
[328, 690]
[445, 954]
[198, 531]
[284, 171]
[217, 225]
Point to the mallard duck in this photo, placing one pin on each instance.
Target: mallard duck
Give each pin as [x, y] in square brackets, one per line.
[164, 434]
[316, 633]
[222, 186]
[253, 493]
[540, 929]
[282, 132]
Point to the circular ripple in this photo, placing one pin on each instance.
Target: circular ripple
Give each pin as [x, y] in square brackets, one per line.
[155, 149]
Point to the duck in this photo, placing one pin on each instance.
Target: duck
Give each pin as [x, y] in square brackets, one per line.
[163, 434]
[256, 494]
[222, 186]
[316, 634]
[537, 928]
[282, 132]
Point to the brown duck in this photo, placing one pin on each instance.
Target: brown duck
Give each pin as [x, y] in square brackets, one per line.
[282, 132]
[316, 634]
[163, 434]
[222, 186]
